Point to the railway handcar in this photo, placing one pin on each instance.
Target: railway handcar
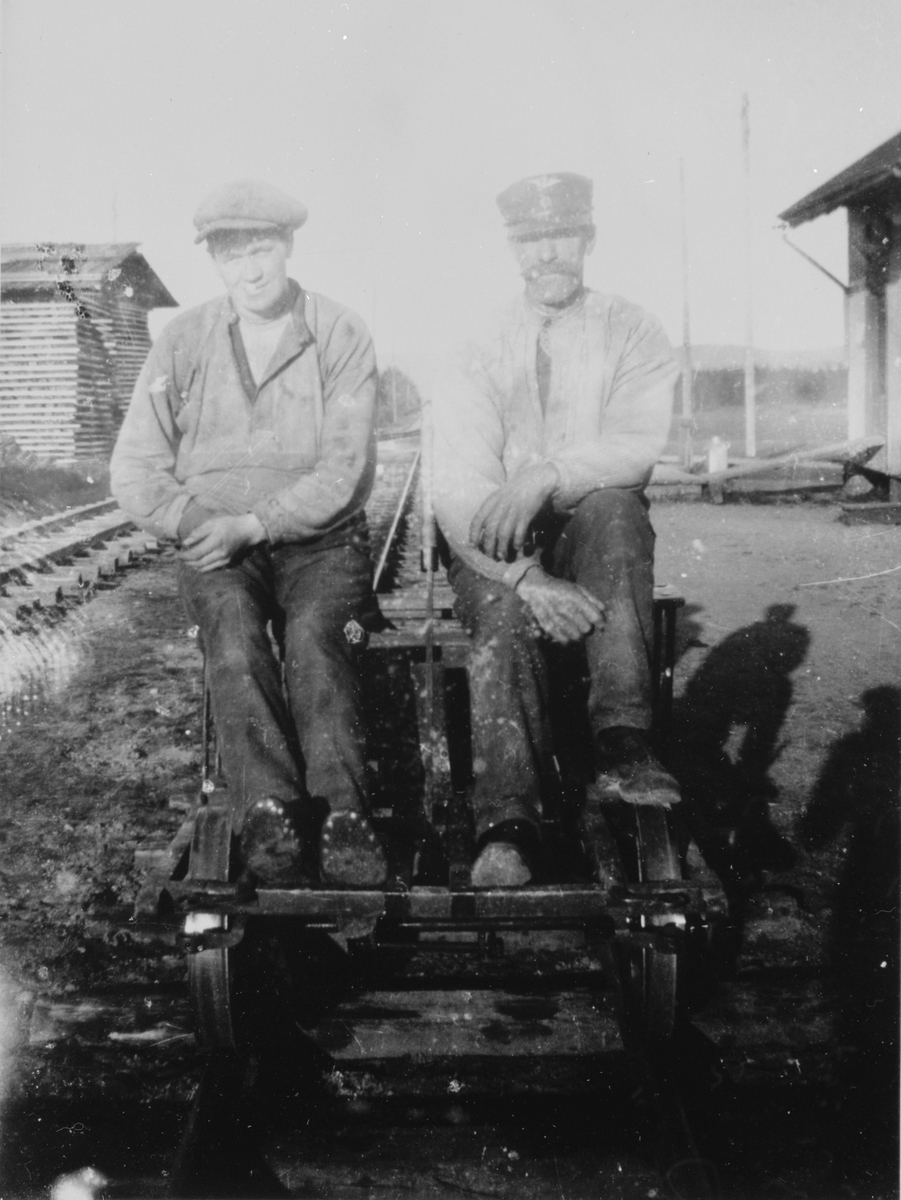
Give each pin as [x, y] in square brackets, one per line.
[611, 920]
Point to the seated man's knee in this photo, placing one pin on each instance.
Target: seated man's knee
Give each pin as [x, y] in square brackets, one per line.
[233, 637]
[317, 630]
[609, 532]
[608, 504]
[612, 520]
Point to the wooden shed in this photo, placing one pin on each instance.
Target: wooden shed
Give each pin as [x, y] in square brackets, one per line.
[870, 189]
[73, 337]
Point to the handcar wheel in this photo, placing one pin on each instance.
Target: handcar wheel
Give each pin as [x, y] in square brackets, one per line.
[210, 971]
[648, 975]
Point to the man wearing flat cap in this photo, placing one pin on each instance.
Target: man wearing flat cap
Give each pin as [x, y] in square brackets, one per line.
[545, 436]
[250, 440]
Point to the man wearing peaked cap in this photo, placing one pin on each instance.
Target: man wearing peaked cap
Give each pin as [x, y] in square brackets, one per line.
[545, 436]
[248, 204]
[546, 202]
[250, 440]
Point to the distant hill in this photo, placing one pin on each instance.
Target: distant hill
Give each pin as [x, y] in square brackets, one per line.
[706, 357]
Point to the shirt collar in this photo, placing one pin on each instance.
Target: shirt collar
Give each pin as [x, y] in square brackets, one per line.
[295, 339]
[298, 306]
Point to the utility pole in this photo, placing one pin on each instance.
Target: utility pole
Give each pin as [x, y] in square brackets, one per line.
[750, 396]
[687, 421]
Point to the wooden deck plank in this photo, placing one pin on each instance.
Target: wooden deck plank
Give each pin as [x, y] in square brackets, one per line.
[484, 1022]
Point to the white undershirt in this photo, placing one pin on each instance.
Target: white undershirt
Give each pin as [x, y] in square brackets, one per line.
[260, 340]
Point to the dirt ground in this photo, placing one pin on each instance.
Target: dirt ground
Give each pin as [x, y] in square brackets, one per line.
[785, 737]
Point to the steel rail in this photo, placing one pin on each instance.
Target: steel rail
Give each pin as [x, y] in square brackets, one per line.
[56, 520]
[49, 566]
[398, 514]
[40, 546]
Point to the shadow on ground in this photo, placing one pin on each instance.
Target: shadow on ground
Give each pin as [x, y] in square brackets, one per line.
[725, 739]
[854, 811]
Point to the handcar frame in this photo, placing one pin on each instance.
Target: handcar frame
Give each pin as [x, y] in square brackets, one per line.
[637, 912]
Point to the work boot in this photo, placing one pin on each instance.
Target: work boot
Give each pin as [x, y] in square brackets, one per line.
[627, 769]
[269, 844]
[505, 860]
[349, 852]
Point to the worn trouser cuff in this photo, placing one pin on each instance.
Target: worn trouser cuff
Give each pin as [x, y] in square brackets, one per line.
[493, 812]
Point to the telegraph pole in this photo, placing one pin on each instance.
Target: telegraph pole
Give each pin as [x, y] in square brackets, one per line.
[750, 396]
[685, 439]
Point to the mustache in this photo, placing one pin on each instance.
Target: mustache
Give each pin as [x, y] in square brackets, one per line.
[555, 269]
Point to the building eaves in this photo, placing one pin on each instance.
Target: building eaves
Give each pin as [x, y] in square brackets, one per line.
[875, 175]
[45, 266]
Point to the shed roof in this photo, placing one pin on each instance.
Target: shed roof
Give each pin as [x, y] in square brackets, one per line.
[874, 177]
[117, 266]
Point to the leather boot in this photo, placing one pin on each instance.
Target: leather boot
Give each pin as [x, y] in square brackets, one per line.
[270, 845]
[505, 860]
[350, 854]
[627, 769]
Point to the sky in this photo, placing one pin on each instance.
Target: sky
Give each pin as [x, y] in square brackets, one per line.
[397, 122]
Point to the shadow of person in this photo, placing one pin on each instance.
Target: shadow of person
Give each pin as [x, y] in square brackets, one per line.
[689, 630]
[854, 813]
[725, 739]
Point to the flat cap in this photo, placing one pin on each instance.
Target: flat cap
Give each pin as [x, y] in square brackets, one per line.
[247, 204]
[546, 203]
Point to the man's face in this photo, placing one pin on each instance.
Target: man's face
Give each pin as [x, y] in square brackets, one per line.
[254, 270]
[552, 264]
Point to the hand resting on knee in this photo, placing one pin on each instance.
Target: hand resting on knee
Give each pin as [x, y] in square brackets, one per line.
[214, 544]
[564, 611]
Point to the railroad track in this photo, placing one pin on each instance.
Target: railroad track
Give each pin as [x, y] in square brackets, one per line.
[50, 567]
[394, 534]
[48, 570]
[47, 561]
[65, 555]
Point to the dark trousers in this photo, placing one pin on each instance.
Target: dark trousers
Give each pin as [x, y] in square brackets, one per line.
[311, 746]
[607, 545]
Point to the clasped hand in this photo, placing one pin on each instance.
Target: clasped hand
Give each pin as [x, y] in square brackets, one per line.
[216, 542]
[564, 611]
[500, 527]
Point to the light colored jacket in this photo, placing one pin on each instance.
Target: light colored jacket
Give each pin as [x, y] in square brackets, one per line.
[606, 421]
[298, 450]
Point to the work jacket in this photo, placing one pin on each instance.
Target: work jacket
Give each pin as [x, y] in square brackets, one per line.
[298, 450]
[604, 424]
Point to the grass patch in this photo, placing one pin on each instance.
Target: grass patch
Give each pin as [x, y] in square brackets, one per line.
[32, 490]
